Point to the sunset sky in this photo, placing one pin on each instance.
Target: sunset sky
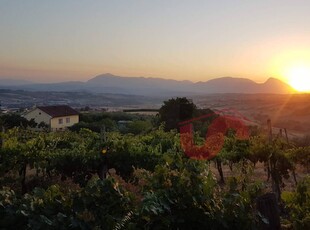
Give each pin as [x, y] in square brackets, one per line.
[51, 41]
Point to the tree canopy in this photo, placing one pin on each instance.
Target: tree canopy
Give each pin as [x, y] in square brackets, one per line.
[175, 110]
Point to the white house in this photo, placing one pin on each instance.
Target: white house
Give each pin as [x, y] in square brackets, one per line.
[57, 117]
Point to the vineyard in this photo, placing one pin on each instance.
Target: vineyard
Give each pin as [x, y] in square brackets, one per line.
[140, 178]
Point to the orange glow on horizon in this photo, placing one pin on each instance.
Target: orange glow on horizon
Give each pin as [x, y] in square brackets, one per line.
[293, 65]
[299, 78]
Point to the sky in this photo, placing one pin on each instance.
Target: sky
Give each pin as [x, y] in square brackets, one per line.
[51, 41]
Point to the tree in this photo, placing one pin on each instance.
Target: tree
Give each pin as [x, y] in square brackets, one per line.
[10, 121]
[175, 110]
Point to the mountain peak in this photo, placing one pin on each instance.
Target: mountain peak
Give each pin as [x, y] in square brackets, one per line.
[105, 75]
[230, 79]
[278, 86]
[272, 79]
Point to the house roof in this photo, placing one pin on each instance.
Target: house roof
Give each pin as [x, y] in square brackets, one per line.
[58, 110]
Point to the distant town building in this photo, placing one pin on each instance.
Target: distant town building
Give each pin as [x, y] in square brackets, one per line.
[58, 117]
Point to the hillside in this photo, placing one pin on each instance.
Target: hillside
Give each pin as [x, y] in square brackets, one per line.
[108, 83]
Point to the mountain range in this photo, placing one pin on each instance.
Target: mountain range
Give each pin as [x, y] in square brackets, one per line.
[108, 83]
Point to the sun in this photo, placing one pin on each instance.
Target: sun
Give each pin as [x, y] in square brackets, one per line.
[299, 78]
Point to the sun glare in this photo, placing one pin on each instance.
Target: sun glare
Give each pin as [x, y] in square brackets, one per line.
[299, 78]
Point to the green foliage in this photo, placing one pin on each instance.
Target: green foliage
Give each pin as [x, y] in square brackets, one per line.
[68, 154]
[9, 121]
[175, 110]
[108, 123]
[114, 116]
[100, 205]
[156, 186]
[136, 151]
[78, 156]
[95, 121]
[301, 156]
[275, 155]
[235, 150]
[183, 194]
[298, 204]
[201, 126]
[139, 127]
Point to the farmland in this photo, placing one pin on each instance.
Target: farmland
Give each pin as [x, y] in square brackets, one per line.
[84, 179]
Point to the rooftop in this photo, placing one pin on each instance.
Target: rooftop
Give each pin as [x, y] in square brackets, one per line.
[58, 110]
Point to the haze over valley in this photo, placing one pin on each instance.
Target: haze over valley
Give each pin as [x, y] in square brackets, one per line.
[272, 99]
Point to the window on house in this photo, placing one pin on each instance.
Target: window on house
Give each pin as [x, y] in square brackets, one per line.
[68, 120]
[60, 121]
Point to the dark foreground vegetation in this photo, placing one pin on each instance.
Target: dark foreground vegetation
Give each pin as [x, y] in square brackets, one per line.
[61, 180]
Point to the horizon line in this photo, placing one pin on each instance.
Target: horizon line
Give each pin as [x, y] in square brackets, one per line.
[145, 77]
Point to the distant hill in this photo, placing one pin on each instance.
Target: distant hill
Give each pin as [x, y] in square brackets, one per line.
[147, 86]
[276, 86]
[243, 85]
[108, 83]
[139, 85]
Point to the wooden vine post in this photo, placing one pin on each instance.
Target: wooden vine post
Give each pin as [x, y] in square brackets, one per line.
[267, 205]
[103, 166]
